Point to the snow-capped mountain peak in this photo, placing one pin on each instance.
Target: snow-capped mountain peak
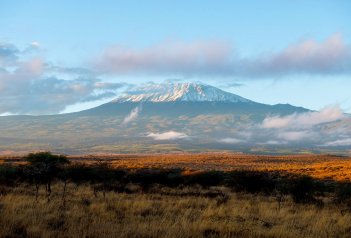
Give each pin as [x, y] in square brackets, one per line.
[171, 92]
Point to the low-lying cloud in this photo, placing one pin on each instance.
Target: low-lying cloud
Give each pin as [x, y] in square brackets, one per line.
[311, 126]
[169, 135]
[133, 115]
[304, 120]
[339, 142]
[327, 127]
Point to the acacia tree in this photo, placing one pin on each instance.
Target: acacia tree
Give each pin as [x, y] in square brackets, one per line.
[103, 175]
[43, 167]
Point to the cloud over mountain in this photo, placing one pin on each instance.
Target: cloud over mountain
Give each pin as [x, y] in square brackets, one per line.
[217, 58]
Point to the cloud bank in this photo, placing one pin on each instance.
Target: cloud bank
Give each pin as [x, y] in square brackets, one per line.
[304, 120]
[327, 127]
[331, 56]
[309, 126]
[217, 58]
[181, 58]
[30, 85]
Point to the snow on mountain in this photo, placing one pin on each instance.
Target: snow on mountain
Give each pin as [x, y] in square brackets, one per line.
[171, 92]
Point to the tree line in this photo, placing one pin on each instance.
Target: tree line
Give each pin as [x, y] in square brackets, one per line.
[44, 168]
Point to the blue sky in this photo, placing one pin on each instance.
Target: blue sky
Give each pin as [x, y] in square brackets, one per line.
[254, 43]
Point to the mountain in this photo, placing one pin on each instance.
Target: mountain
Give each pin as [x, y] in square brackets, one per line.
[179, 92]
[172, 117]
[187, 99]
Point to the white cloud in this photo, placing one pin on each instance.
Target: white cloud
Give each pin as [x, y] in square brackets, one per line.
[273, 142]
[293, 135]
[302, 127]
[304, 120]
[340, 142]
[35, 44]
[33, 47]
[230, 140]
[169, 135]
[133, 115]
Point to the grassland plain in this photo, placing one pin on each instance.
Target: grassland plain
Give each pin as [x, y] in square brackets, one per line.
[180, 195]
[319, 166]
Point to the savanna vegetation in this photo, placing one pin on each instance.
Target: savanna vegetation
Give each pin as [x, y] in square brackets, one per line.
[49, 195]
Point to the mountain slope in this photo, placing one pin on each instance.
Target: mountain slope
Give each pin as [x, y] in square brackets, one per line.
[175, 109]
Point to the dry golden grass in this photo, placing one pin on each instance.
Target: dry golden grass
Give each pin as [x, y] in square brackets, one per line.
[160, 215]
[336, 168]
[328, 167]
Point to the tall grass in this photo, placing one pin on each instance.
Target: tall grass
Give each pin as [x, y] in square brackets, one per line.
[163, 212]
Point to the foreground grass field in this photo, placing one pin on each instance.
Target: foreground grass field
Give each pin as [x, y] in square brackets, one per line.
[178, 195]
[180, 212]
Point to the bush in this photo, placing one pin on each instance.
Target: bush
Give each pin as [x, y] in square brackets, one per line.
[9, 175]
[78, 173]
[148, 177]
[343, 193]
[205, 179]
[251, 181]
[304, 189]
